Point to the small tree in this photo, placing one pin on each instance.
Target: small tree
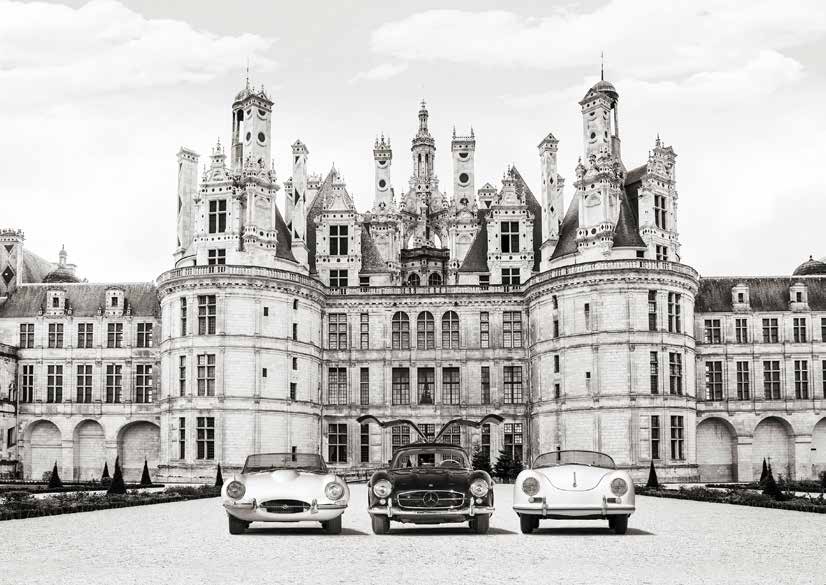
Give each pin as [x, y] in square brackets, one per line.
[54, 479]
[765, 472]
[117, 486]
[653, 482]
[219, 478]
[504, 465]
[146, 481]
[105, 478]
[481, 460]
[770, 487]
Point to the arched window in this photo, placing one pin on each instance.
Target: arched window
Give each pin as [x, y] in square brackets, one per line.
[450, 330]
[425, 331]
[401, 331]
[435, 279]
[413, 280]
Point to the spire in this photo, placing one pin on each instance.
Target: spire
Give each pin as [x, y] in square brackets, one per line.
[602, 66]
[423, 115]
[62, 255]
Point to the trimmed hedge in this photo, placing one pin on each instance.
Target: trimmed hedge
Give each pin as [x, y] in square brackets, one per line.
[20, 505]
[737, 497]
[43, 488]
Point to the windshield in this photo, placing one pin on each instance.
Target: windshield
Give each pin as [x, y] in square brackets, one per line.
[431, 457]
[591, 458]
[273, 461]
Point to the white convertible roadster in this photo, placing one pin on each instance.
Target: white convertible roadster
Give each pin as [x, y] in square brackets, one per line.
[285, 487]
[573, 485]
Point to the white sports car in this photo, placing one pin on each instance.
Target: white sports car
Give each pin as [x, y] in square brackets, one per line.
[285, 487]
[573, 485]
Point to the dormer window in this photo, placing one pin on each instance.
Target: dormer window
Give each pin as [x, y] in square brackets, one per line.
[55, 302]
[740, 297]
[799, 297]
[338, 240]
[114, 301]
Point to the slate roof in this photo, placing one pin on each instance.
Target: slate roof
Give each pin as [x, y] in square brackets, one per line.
[84, 298]
[371, 261]
[35, 268]
[316, 209]
[476, 259]
[810, 266]
[769, 293]
[284, 239]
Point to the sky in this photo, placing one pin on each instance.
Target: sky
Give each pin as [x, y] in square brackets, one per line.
[96, 99]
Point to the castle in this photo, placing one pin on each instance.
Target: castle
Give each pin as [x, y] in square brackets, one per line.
[580, 326]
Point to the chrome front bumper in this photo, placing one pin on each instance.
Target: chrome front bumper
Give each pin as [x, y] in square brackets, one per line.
[252, 512]
[606, 508]
[391, 511]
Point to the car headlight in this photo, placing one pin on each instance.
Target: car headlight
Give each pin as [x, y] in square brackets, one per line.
[530, 486]
[479, 488]
[382, 488]
[333, 491]
[618, 486]
[236, 490]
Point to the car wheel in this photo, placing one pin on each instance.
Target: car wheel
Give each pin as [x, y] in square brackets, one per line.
[618, 524]
[237, 526]
[381, 524]
[480, 524]
[528, 523]
[332, 526]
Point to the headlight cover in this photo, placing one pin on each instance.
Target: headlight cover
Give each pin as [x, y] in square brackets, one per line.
[530, 486]
[618, 486]
[383, 488]
[334, 490]
[236, 490]
[479, 488]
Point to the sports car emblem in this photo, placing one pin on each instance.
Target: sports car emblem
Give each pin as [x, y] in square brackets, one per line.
[430, 499]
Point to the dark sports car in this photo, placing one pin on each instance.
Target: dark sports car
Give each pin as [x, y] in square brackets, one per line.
[430, 483]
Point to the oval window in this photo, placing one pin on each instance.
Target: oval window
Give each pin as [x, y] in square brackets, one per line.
[593, 135]
[382, 184]
[262, 113]
[249, 136]
[464, 178]
[261, 137]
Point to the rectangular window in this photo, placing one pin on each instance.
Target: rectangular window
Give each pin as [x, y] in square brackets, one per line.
[654, 367]
[511, 276]
[677, 438]
[556, 363]
[206, 374]
[266, 311]
[216, 256]
[84, 383]
[741, 330]
[143, 383]
[513, 440]
[364, 283]
[205, 437]
[659, 211]
[770, 331]
[485, 443]
[485, 384]
[484, 330]
[207, 313]
[512, 329]
[55, 335]
[114, 335]
[182, 437]
[183, 316]
[27, 383]
[293, 390]
[365, 443]
[652, 310]
[429, 431]
[338, 240]
[426, 382]
[655, 437]
[801, 379]
[337, 443]
[771, 379]
[425, 331]
[85, 335]
[509, 231]
[661, 253]
[675, 373]
[512, 384]
[182, 375]
[144, 334]
[450, 385]
[218, 216]
[557, 390]
[26, 335]
[364, 386]
[400, 436]
[452, 435]
[364, 330]
[337, 331]
[799, 329]
[675, 323]
[338, 279]
[337, 386]
[295, 331]
[743, 381]
[823, 329]
[484, 281]
[822, 376]
[114, 383]
[295, 363]
[401, 386]
[586, 311]
[54, 383]
[714, 380]
[556, 327]
[713, 333]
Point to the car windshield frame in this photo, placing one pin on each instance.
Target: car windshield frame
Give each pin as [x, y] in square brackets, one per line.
[260, 462]
[574, 457]
[402, 457]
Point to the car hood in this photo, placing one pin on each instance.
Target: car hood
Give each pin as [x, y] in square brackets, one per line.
[416, 479]
[574, 477]
[287, 479]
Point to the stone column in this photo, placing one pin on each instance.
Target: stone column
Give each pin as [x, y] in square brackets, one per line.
[744, 465]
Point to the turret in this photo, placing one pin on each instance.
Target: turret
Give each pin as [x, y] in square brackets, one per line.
[251, 125]
[383, 157]
[187, 190]
[11, 261]
[295, 205]
[423, 150]
[657, 202]
[463, 149]
[552, 203]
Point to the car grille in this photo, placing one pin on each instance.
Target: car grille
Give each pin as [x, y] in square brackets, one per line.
[285, 506]
[430, 499]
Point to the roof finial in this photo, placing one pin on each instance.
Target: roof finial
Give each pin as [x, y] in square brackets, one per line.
[602, 65]
[248, 73]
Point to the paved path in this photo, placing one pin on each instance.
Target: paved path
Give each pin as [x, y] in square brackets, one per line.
[668, 541]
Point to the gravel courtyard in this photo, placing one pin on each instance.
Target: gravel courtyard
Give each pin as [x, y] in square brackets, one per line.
[668, 541]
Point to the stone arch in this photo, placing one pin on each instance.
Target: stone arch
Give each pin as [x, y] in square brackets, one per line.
[138, 441]
[716, 450]
[819, 447]
[44, 443]
[774, 440]
[89, 450]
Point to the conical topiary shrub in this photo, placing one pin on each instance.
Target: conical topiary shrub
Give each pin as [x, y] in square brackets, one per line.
[105, 478]
[653, 482]
[117, 486]
[765, 472]
[146, 481]
[770, 487]
[54, 479]
[219, 478]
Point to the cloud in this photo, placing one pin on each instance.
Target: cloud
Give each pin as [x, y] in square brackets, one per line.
[380, 72]
[103, 47]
